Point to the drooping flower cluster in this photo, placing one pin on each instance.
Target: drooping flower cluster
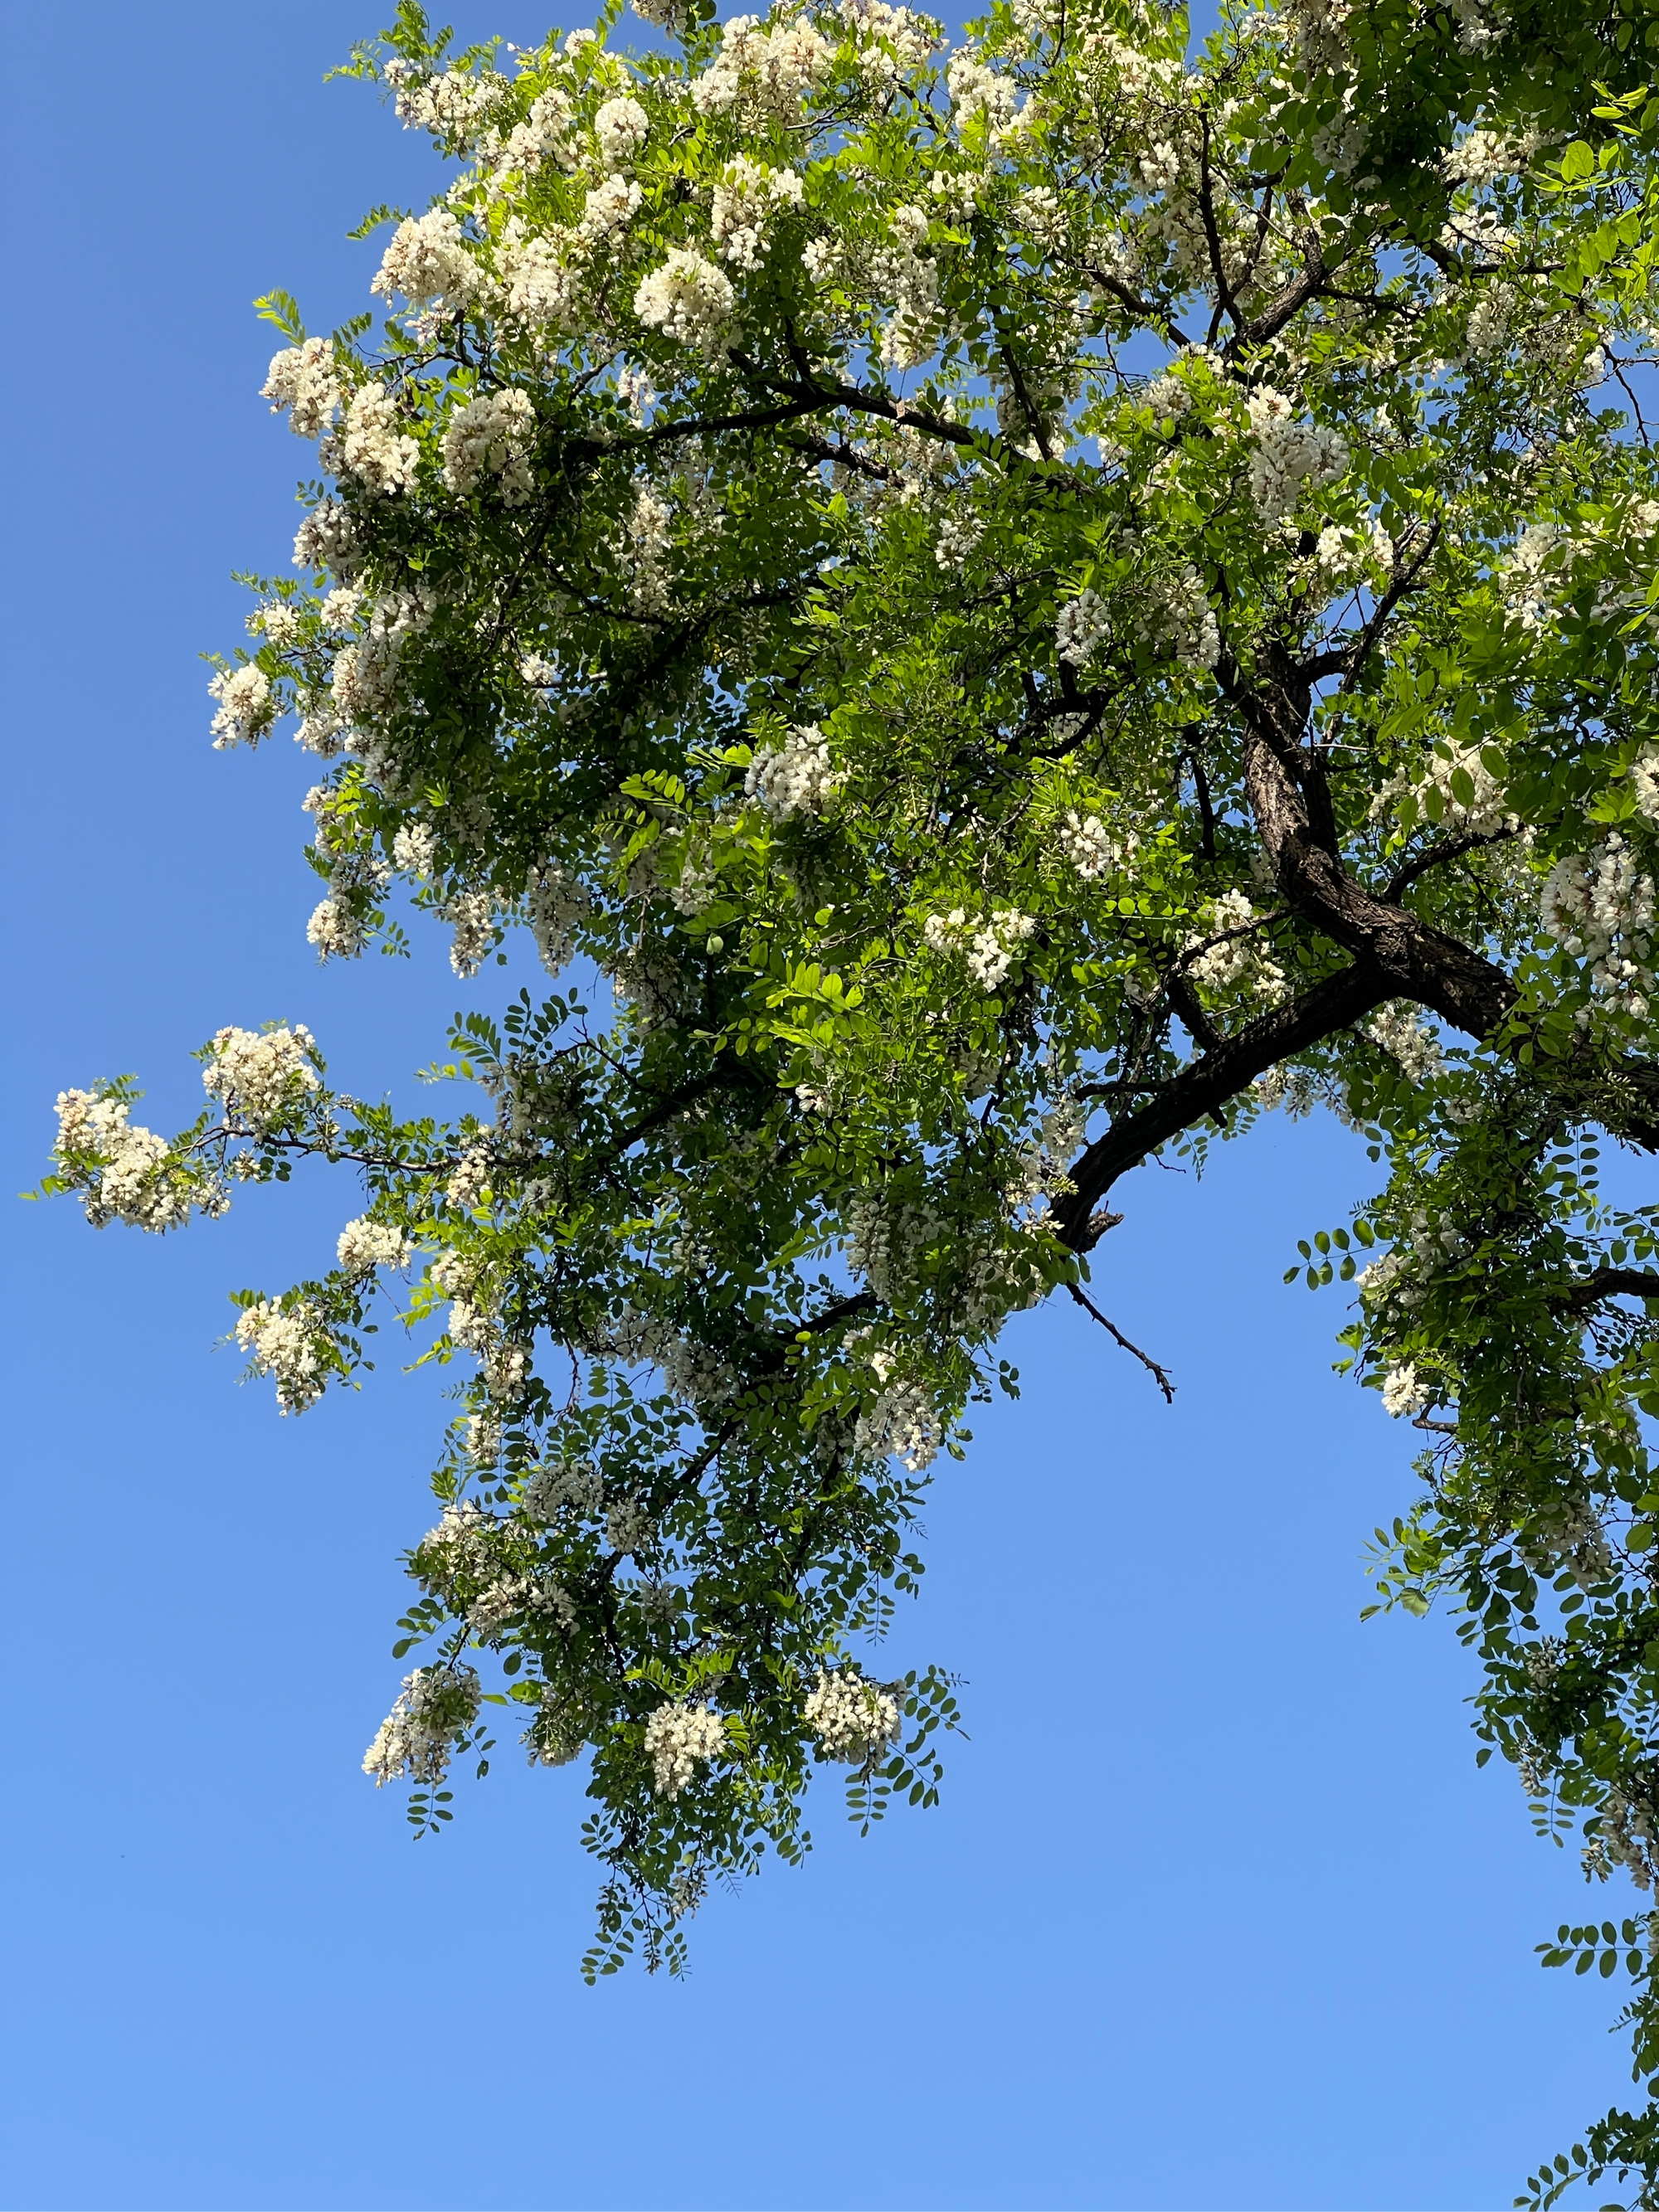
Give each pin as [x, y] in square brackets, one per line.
[679, 1738]
[687, 299]
[123, 1172]
[435, 1707]
[745, 201]
[854, 1719]
[248, 706]
[490, 437]
[291, 1343]
[429, 263]
[303, 380]
[1291, 457]
[988, 947]
[1229, 953]
[261, 1076]
[795, 777]
[1407, 1040]
[1086, 844]
[366, 1244]
[1598, 907]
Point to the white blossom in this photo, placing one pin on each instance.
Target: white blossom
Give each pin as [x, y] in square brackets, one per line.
[248, 706]
[490, 436]
[436, 1705]
[688, 300]
[325, 539]
[261, 1076]
[1083, 626]
[302, 379]
[989, 947]
[795, 777]
[1086, 844]
[854, 1719]
[1402, 1391]
[1290, 456]
[768, 72]
[428, 261]
[621, 127]
[336, 929]
[382, 457]
[366, 1244]
[677, 1737]
[290, 1344]
[472, 918]
[555, 903]
[120, 1170]
[1407, 1040]
[745, 200]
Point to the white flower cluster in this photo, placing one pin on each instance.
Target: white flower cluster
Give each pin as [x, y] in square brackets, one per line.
[452, 104]
[325, 539]
[621, 127]
[248, 706]
[435, 1705]
[1402, 1393]
[957, 536]
[795, 778]
[747, 196]
[366, 1244]
[627, 1526]
[979, 93]
[490, 436]
[901, 1423]
[911, 278]
[687, 299]
[1178, 615]
[1083, 626]
[414, 848]
[1407, 1041]
[1290, 456]
[854, 1718]
[471, 919]
[373, 449]
[564, 1484]
[1644, 782]
[650, 540]
[302, 379]
[990, 948]
[289, 1344]
[1482, 157]
[555, 903]
[677, 1737]
[1229, 951]
[1539, 558]
[120, 1170]
[1347, 556]
[1086, 844]
[767, 73]
[429, 262]
[1629, 1838]
[261, 1075]
[1598, 907]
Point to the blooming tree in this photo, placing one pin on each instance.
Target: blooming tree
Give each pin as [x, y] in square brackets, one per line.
[1020, 606]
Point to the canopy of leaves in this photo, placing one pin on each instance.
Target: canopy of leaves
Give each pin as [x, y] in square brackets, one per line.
[1018, 606]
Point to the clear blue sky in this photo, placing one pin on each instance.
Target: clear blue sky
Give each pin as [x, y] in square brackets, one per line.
[1216, 1912]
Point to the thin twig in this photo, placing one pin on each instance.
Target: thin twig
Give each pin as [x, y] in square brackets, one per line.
[1117, 1335]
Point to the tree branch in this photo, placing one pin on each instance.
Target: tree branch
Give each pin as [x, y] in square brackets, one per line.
[1118, 1337]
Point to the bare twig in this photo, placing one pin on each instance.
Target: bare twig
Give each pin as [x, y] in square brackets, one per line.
[1118, 1337]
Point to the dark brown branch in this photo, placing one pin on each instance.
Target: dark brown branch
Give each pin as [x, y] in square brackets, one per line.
[1206, 1085]
[1118, 1337]
[1609, 1282]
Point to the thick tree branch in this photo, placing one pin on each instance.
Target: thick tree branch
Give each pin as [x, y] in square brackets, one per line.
[1206, 1085]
